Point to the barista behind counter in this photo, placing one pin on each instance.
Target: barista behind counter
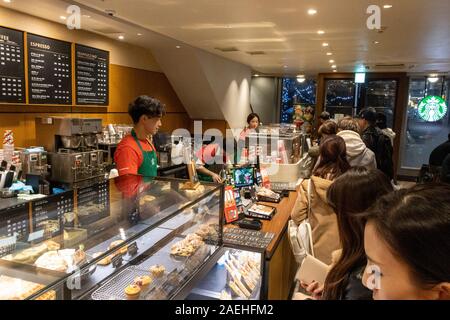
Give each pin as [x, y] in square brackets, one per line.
[136, 154]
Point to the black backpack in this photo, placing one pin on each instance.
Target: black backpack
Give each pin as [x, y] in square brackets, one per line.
[384, 154]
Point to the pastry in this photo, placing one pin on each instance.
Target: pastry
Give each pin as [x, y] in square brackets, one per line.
[146, 199]
[104, 261]
[132, 291]
[143, 281]
[187, 246]
[17, 289]
[79, 257]
[116, 243]
[157, 271]
[53, 261]
[52, 245]
[49, 295]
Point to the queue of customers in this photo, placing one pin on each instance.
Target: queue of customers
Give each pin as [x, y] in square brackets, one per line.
[363, 229]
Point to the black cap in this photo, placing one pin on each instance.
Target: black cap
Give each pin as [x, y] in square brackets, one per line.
[369, 114]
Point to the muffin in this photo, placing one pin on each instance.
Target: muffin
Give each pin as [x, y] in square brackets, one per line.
[143, 281]
[132, 291]
[157, 271]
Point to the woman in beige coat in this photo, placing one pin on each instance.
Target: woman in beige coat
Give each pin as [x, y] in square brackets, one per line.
[333, 163]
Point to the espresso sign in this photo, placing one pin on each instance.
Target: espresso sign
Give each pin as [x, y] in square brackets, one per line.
[12, 70]
[92, 76]
[49, 70]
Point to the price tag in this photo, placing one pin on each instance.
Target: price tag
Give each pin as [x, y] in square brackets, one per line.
[36, 235]
[133, 249]
[117, 261]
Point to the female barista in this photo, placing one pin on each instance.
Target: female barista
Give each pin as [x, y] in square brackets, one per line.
[253, 122]
[136, 154]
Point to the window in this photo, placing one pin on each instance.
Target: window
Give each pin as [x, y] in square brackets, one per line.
[381, 95]
[340, 97]
[296, 93]
[423, 136]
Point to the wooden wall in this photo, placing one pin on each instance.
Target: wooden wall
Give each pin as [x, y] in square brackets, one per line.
[125, 84]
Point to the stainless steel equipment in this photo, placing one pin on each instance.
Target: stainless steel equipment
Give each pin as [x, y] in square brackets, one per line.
[34, 161]
[73, 143]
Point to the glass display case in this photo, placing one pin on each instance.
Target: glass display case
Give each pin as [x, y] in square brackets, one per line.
[127, 238]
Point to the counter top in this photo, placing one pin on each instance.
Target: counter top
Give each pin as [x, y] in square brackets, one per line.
[11, 202]
[279, 222]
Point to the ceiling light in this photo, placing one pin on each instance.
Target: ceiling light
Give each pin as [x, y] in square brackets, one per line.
[312, 12]
[301, 80]
[334, 66]
[285, 66]
[256, 75]
[329, 54]
[387, 6]
[325, 44]
[139, 34]
[301, 76]
[320, 32]
[121, 37]
[331, 61]
[7, 1]
[62, 17]
[178, 47]
[376, 42]
[433, 79]
[334, 70]
[86, 16]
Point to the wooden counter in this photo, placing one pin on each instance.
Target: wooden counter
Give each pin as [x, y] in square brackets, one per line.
[280, 265]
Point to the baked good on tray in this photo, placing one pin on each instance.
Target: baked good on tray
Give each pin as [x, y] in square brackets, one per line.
[53, 261]
[157, 270]
[105, 261]
[143, 281]
[117, 243]
[187, 246]
[18, 289]
[132, 291]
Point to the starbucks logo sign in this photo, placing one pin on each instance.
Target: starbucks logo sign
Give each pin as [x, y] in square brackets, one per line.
[432, 108]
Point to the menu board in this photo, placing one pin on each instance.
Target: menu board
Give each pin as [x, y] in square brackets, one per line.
[48, 214]
[91, 76]
[14, 220]
[49, 70]
[93, 203]
[12, 70]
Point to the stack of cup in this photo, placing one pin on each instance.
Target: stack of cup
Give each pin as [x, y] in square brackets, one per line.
[8, 146]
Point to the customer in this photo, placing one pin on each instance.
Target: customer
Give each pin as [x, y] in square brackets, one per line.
[407, 243]
[328, 128]
[438, 155]
[136, 154]
[376, 141]
[445, 172]
[358, 155]
[350, 195]
[324, 116]
[382, 125]
[332, 164]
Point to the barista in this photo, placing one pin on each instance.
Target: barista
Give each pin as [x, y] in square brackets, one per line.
[253, 122]
[136, 153]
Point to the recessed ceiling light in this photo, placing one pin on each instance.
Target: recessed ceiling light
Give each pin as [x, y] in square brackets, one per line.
[139, 34]
[301, 80]
[285, 66]
[387, 6]
[62, 17]
[7, 1]
[334, 66]
[301, 76]
[433, 79]
[331, 61]
[325, 44]
[312, 12]
[86, 16]
[329, 54]
[256, 75]
[334, 70]
[376, 42]
[320, 32]
[121, 37]
[178, 47]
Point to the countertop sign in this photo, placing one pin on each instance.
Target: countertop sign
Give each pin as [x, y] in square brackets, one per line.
[92, 76]
[49, 71]
[12, 70]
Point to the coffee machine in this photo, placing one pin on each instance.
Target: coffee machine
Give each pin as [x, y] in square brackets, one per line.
[74, 155]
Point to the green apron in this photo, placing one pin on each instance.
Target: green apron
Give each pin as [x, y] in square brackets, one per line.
[149, 166]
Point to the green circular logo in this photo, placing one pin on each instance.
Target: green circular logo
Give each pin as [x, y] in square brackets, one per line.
[432, 108]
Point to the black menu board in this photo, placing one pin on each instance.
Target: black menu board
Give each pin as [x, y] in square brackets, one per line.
[48, 214]
[49, 70]
[14, 220]
[93, 203]
[92, 76]
[12, 70]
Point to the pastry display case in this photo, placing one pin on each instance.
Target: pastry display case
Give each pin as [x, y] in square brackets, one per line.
[127, 238]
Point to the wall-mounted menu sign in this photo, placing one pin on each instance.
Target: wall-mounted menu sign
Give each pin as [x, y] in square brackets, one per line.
[91, 76]
[49, 70]
[48, 214]
[12, 71]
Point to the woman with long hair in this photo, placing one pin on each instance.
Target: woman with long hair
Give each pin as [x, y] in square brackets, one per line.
[332, 164]
[407, 244]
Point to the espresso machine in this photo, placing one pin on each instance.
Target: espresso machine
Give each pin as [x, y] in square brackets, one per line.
[74, 155]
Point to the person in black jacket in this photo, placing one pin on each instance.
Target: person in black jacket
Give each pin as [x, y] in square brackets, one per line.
[438, 155]
[377, 141]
